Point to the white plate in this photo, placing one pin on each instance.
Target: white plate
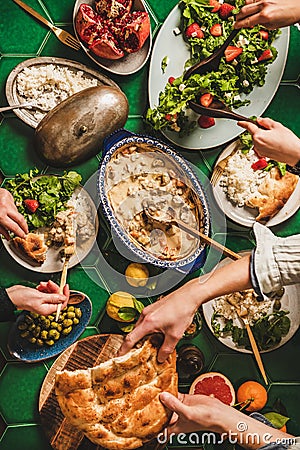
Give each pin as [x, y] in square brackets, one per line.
[289, 302]
[53, 262]
[244, 215]
[130, 63]
[13, 98]
[167, 44]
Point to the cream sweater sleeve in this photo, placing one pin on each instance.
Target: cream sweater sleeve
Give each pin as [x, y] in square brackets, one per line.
[276, 260]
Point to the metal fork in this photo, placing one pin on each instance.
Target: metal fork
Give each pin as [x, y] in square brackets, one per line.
[62, 35]
[220, 167]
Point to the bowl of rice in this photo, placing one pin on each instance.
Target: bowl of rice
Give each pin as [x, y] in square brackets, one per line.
[45, 82]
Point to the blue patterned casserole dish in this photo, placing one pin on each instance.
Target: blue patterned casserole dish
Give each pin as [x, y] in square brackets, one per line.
[112, 146]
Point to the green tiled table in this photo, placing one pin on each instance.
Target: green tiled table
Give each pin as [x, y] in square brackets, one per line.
[21, 38]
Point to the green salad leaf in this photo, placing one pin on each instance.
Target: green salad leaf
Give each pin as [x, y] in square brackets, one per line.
[51, 191]
[164, 63]
[268, 330]
[227, 83]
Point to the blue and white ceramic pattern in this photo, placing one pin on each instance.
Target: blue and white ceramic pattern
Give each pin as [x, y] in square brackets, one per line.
[111, 144]
[21, 349]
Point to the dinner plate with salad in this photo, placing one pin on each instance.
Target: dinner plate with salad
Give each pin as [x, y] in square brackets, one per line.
[247, 79]
[273, 322]
[59, 212]
[253, 188]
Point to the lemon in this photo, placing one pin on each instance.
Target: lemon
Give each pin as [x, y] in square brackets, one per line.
[137, 275]
[116, 301]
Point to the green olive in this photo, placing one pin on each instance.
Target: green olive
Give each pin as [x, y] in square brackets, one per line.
[66, 331]
[32, 340]
[50, 342]
[70, 315]
[54, 324]
[25, 334]
[67, 323]
[50, 317]
[71, 308]
[44, 334]
[78, 312]
[39, 342]
[28, 320]
[53, 334]
[31, 326]
[34, 315]
[22, 326]
[59, 327]
[36, 331]
[75, 321]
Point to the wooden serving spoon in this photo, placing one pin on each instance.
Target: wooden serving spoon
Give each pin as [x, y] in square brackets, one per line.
[168, 219]
[218, 109]
[212, 62]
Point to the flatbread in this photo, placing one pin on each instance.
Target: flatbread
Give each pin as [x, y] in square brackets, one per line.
[116, 404]
[272, 194]
[32, 246]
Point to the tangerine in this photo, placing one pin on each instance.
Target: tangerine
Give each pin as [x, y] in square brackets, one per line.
[252, 396]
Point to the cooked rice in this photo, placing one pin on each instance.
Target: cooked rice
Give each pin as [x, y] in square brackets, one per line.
[239, 181]
[48, 85]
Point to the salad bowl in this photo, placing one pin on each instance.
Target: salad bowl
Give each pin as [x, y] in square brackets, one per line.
[112, 145]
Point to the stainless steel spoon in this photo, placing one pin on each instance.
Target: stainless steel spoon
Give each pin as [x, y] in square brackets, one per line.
[22, 105]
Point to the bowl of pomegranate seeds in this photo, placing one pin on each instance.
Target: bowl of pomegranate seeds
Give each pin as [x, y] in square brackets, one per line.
[115, 34]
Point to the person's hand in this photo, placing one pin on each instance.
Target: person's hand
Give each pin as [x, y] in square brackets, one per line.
[276, 142]
[42, 300]
[10, 218]
[195, 413]
[269, 13]
[171, 316]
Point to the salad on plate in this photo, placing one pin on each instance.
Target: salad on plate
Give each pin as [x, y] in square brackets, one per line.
[205, 25]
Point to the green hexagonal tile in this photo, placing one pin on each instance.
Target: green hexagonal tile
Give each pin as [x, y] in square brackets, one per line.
[162, 9]
[7, 64]
[18, 400]
[26, 437]
[16, 140]
[278, 110]
[4, 355]
[286, 356]
[58, 14]
[54, 47]
[87, 281]
[3, 426]
[238, 367]
[291, 71]
[30, 33]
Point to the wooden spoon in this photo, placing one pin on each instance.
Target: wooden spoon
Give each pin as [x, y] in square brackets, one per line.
[218, 109]
[169, 220]
[212, 62]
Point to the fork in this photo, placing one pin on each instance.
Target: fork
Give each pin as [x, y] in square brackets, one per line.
[65, 37]
[220, 167]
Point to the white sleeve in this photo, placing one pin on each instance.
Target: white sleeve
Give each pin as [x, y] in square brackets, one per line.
[276, 260]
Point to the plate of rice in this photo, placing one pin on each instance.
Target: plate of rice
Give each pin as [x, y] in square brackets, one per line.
[239, 183]
[46, 82]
